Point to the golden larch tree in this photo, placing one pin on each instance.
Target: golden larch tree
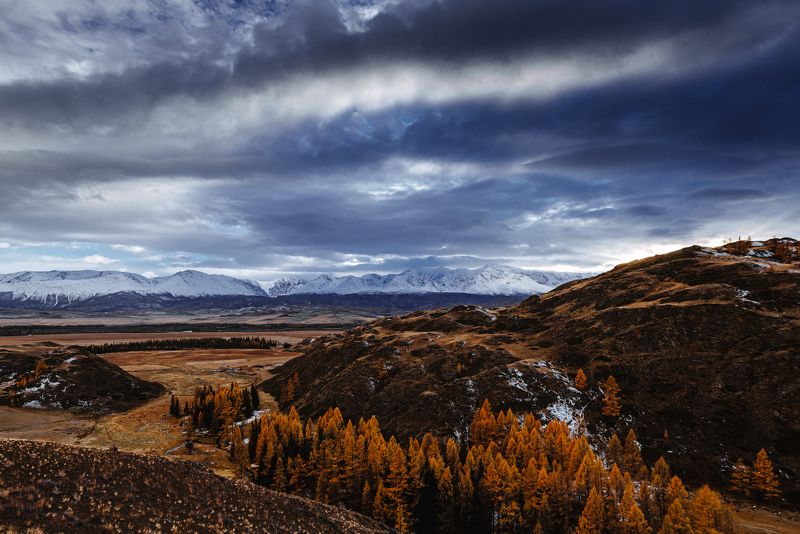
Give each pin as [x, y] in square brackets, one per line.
[592, 520]
[705, 511]
[580, 380]
[741, 478]
[615, 451]
[677, 520]
[764, 480]
[632, 453]
[612, 404]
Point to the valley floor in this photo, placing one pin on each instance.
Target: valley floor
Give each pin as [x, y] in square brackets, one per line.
[148, 428]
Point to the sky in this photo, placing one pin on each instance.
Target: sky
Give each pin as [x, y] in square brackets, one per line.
[269, 138]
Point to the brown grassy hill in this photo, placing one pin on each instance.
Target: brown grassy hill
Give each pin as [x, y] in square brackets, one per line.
[60, 488]
[704, 342]
[48, 376]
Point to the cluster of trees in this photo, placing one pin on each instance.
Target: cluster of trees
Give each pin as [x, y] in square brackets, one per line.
[758, 480]
[31, 376]
[612, 401]
[218, 409]
[782, 250]
[289, 388]
[25, 380]
[186, 343]
[514, 475]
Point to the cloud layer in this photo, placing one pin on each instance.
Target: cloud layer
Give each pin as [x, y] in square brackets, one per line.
[260, 139]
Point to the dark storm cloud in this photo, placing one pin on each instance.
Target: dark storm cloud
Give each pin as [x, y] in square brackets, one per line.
[665, 153]
[312, 38]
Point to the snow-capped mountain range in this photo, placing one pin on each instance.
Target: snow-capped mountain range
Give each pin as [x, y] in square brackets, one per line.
[490, 279]
[57, 288]
[54, 287]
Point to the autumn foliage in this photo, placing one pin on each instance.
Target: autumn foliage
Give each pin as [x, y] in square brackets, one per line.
[217, 409]
[612, 404]
[512, 475]
[580, 380]
[758, 480]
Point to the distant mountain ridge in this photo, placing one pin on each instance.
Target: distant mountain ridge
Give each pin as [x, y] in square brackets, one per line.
[491, 279]
[56, 287]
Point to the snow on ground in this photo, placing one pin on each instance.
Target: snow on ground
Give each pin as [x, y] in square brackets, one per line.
[565, 410]
[480, 309]
[45, 383]
[256, 415]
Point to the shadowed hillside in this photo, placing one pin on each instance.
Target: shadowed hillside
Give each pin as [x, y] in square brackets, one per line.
[703, 342]
[43, 376]
[60, 488]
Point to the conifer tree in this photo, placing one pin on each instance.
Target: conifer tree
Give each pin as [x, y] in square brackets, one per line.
[676, 490]
[677, 520]
[632, 453]
[631, 516]
[447, 504]
[366, 499]
[741, 478]
[254, 397]
[706, 511]
[764, 480]
[661, 473]
[611, 399]
[580, 380]
[592, 520]
[615, 452]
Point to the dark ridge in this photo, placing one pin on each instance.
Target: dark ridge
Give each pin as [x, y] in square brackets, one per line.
[61, 488]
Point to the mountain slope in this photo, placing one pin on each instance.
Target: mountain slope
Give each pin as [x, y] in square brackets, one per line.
[52, 287]
[488, 280]
[703, 342]
[60, 488]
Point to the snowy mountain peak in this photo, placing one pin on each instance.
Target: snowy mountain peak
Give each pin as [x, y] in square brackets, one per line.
[60, 286]
[491, 279]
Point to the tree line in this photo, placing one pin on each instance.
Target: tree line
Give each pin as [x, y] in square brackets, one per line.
[216, 410]
[514, 474]
[185, 343]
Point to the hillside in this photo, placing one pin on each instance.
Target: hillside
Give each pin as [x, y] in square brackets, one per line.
[60, 488]
[704, 343]
[43, 376]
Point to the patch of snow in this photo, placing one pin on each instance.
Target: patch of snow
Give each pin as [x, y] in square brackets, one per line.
[256, 415]
[470, 385]
[564, 410]
[45, 383]
[480, 309]
[33, 404]
[515, 380]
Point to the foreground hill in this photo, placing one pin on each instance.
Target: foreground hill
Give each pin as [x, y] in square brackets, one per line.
[49, 376]
[60, 488]
[704, 343]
